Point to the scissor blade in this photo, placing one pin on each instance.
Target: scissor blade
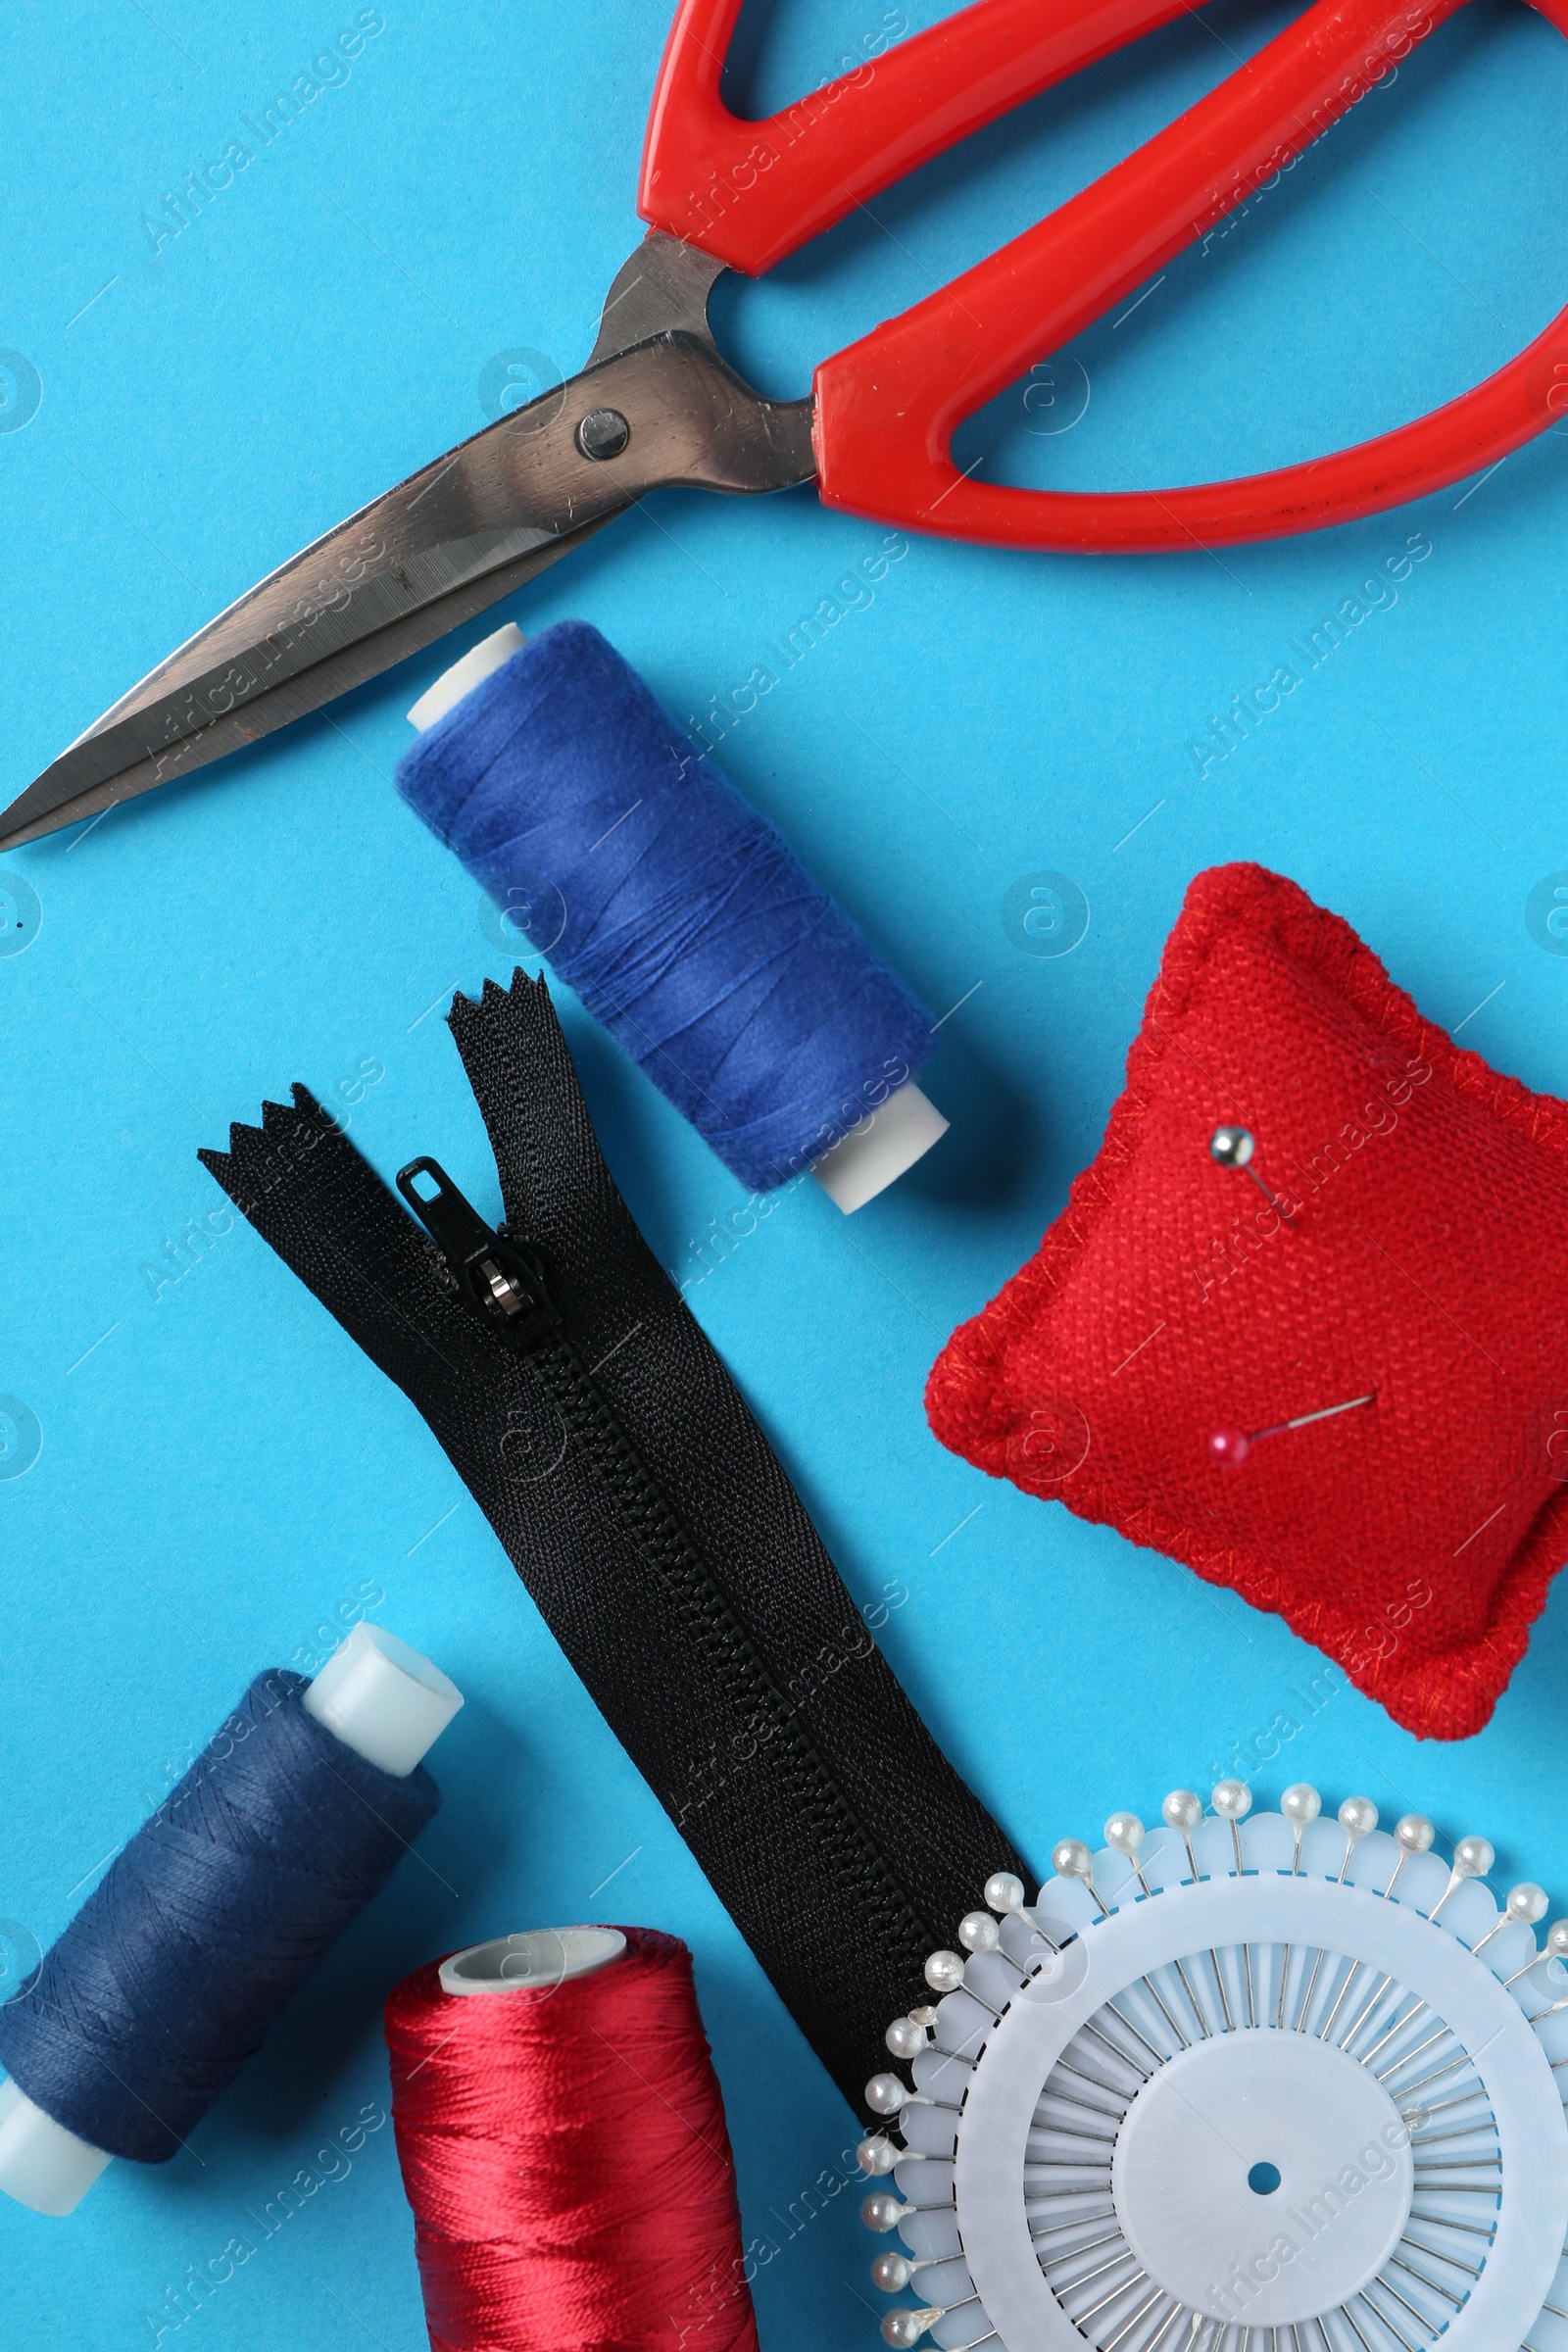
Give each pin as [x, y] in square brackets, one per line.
[40, 810]
[416, 563]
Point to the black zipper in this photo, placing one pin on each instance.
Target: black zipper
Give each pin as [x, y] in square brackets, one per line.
[494, 1276]
[649, 1519]
[502, 1282]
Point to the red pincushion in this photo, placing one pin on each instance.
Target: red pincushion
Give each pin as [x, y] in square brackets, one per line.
[1426, 1257]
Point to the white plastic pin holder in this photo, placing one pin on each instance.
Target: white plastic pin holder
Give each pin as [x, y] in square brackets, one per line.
[1284, 2083]
[889, 1139]
[378, 1697]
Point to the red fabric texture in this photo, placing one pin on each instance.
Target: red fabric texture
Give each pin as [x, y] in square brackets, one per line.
[1426, 1257]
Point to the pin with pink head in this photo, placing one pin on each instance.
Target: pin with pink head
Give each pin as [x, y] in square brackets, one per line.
[1230, 1447]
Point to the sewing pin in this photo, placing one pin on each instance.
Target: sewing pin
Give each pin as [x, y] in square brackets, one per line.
[1005, 1893]
[1556, 1950]
[1230, 1447]
[1124, 1833]
[1357, 1818]
[1232, 1801]
[1300, 1805]
[1071, 1858]
[1526, 1906]
[1182, 1811]
[1473, 1857]
[1233, 1148]
[892, 2272]
[1413, 1834]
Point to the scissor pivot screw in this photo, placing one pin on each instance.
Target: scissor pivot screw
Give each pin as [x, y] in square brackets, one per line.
[603, 433]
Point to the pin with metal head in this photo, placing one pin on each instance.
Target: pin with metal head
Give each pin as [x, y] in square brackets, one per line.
[1233, 1148]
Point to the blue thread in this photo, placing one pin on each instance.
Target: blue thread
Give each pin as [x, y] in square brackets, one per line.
[675, 911]
[213, 1915]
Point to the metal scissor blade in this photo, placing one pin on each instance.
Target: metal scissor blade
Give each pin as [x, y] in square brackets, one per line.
[439, 548]
[40, 810]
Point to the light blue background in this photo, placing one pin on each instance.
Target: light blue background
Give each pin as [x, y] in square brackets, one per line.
[220, 1467]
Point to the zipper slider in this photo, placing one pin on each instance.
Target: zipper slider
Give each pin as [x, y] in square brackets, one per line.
[495, 1278]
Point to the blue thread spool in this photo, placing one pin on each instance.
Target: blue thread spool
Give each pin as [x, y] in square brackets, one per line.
[675, 911]
[215, 1914]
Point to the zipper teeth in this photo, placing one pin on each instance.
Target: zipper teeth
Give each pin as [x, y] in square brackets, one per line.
[308, 1192]
[858, 1865]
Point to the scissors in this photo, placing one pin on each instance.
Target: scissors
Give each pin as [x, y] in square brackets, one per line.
[657, 406]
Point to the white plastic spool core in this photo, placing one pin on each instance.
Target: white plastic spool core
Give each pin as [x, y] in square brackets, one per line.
[381, 1699]
[42, 2165]
[462, 677]
[889, 1139]
[535, 1961]
[874, 1154]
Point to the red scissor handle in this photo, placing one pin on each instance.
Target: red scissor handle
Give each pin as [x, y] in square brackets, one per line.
[888, 406]
[748, 193]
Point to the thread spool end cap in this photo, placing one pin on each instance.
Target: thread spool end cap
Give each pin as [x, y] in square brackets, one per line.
[42, 2165]
[383, 1699]
[464, 675]
[534, 1961]
[877, 1153]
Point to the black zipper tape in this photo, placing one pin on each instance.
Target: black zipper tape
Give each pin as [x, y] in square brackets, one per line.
[647, 1516]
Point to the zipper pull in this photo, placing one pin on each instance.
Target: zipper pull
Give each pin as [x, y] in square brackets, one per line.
[495, 1278]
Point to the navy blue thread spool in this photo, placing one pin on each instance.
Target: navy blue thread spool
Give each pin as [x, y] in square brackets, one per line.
[152, 1997]
[675, 910]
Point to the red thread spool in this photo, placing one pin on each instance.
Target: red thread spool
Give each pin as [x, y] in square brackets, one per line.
[564, 2148]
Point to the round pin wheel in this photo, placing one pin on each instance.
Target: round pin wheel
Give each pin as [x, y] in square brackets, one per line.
[1255, 2082]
